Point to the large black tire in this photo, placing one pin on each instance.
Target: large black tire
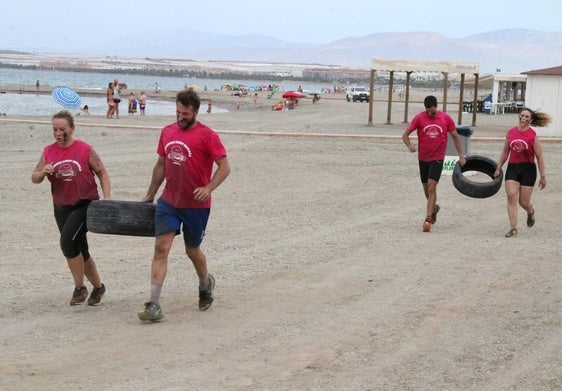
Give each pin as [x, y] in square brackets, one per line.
[121, 218]
[475, 189]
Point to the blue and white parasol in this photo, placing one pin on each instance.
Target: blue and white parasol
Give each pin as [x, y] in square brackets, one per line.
[66, 97]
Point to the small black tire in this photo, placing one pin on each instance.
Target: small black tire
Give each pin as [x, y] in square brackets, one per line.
[133, 218]
[476, 189]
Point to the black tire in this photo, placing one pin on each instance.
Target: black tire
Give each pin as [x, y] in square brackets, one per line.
[475, 189]
[121, 218]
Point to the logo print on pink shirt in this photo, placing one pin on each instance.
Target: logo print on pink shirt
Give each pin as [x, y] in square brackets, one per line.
[432, 130]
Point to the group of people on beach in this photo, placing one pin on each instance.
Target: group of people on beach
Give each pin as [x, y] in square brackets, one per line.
[113, 99]
[193, 162]
[522, 150]
[188, 151]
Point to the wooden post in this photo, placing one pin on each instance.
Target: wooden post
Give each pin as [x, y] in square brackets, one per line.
[390, 87]
[445, 88]
[461, 100]
[407, 96]
[371, 97]
[475, 103]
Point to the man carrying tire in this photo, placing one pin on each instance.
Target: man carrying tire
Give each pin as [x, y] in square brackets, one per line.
[187, 152]
[432, 127]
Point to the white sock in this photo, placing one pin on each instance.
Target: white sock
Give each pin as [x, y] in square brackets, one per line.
[155, 290]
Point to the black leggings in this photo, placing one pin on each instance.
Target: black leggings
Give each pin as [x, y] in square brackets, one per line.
[71, 220]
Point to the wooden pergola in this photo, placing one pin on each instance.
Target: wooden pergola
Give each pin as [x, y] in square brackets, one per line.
[409, 67]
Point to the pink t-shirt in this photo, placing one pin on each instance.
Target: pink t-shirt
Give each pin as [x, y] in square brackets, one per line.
[521, 145]
[73, 179]
[432, 134]
[190, 155]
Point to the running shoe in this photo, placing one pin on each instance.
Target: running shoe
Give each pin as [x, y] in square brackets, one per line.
[207, 296]
[79, 295]
[96, 295]
[434, 214]
[427, 224]
[512, 233]
[151, 311]
[531, 219]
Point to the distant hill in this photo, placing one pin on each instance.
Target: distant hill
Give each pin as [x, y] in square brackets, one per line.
[511, 51]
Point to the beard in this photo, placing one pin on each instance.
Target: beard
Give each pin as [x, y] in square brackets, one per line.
[185, 124]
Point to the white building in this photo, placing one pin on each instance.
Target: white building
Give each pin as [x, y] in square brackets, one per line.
[508, 93]
[544, 93]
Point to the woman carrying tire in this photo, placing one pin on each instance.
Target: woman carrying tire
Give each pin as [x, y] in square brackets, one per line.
[522, 147]
[71, 166]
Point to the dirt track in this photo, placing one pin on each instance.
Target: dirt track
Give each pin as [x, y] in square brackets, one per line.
[324, 278]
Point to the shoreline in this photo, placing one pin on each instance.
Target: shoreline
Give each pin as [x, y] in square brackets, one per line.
[333, 115]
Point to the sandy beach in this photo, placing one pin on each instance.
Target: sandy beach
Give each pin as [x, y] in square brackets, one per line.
[325, 280]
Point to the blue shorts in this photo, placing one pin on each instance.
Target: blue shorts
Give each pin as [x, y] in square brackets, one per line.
[194, 222]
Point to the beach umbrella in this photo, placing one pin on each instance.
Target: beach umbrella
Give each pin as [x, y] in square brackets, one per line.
[292, 94]
[66, 97]
[230, 86]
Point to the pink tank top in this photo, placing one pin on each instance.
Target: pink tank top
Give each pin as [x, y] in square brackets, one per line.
[72, 180]
[521, 145]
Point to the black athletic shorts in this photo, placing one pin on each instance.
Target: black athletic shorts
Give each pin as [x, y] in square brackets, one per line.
[524, 173]
[431, 170]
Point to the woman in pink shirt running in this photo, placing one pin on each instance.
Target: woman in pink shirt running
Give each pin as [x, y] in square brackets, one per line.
[522, 146]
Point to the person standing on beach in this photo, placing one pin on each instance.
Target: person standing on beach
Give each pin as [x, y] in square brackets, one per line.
[187, 151]
[142, 103]
[432, 127]
[116, 97]
[70, 165]
[132, 103]
[110, 102]
[522, 147]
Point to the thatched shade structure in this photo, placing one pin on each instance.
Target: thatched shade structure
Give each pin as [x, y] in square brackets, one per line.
[423, 66]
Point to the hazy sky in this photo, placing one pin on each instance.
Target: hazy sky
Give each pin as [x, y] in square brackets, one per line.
[44, 23]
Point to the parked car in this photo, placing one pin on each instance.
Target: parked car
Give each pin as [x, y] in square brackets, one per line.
[357, 94]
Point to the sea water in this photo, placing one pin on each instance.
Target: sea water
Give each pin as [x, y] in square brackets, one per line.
[25, 79]
[36, 104]
[30, 104]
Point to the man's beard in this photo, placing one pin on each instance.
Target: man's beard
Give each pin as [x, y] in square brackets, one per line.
[185, 124]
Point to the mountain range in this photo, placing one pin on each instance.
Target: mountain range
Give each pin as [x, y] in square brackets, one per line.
[508, 51]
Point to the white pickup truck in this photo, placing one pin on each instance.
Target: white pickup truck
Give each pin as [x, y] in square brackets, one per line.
[357, 94]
